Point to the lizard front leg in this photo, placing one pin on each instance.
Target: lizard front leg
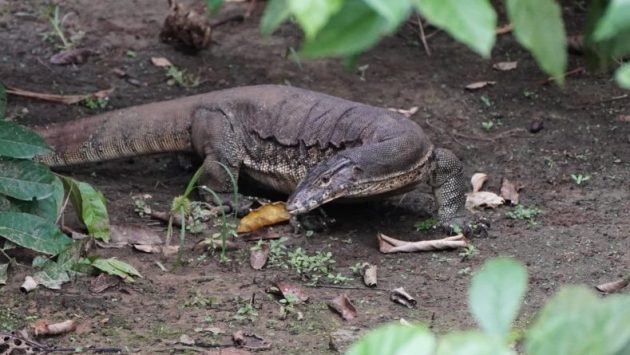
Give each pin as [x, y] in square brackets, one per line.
[449, 188]
[214, 138]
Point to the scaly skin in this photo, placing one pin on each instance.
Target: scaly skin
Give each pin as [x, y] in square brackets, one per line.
[316, 147]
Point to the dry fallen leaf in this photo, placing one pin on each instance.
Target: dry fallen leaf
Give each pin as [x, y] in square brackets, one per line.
[29, 284]
[389, 245]
[266, 215]
[613, 286]
[479, 85]
[369, 273]
[161, 62]
[71, 56]
[342, 305]
[249, 341]
[509, 192]
[122, 235]
[624, 118]
[477, 181]
[505, 66]
[64, 99]
[407, 113]
[501, 30]
[102, 282]
[483, 199]
[258, 258]
[292, 290]
[41, 327]
[399, 295]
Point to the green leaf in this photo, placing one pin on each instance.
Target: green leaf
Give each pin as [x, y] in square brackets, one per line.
[214, 5]
[4, 274]
[353, 29]
[47, 208]
[496, 294]
[577, 321]
[19, 142]
[91, 206]
[276, 12]
[3, 102]
[312, 15]
[539, 28]
[471, 343]
[33, 232]
[473, 22]
[116, 267]
[395, 339]
[25, 180]
[395, 11]
[616, 19]
[53, 276]
[622, 76]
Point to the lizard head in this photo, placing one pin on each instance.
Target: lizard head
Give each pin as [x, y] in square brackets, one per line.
[324, 183]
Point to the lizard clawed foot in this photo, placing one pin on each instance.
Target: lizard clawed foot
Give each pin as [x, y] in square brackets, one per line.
[314, 221]
[471, 227]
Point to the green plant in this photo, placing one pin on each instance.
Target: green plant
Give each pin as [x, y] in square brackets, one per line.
[182, 78]
[56, 22]
[31, 202]
[425, 225]
[245, 311]
[486, 100]
[523, 213]
[345, 28]
[574, 321]
[579, 178]
[487, 125]
[95, 103]
[468, 251]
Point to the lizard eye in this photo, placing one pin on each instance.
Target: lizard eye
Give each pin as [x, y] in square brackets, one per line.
[325, 180]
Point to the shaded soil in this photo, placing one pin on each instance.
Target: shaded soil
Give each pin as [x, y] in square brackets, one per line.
[581, 235]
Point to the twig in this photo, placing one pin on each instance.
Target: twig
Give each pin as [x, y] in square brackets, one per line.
[493, 138]
[423, 38]
[441, 131]
[578, 70]
[611, 99]
[64, 99]
[348, 287]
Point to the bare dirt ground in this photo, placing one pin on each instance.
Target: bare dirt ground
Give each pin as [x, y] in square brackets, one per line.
[581, 235]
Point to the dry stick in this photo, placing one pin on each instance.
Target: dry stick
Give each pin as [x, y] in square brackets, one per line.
[441, 131]
[578, 70]
[493, 138]
[611, 99]
[348, 288]
[423, 38]
[64, 99]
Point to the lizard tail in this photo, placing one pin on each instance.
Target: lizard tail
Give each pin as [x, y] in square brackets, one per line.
[154, 128]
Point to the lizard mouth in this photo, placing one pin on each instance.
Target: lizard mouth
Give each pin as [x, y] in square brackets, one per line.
[295, 206]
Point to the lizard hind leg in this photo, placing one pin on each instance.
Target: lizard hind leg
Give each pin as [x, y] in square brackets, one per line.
[449, 188]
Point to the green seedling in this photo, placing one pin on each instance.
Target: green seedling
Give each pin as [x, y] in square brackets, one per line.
[486, 100]
[425, 225]
[56, 22]
[182, 78]
[95, 103]
[487, 125]
[579, 179]
[524, 213]
[468, 251]
[245, 311]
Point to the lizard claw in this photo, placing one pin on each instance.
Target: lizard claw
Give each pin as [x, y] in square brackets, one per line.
[476, 228]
